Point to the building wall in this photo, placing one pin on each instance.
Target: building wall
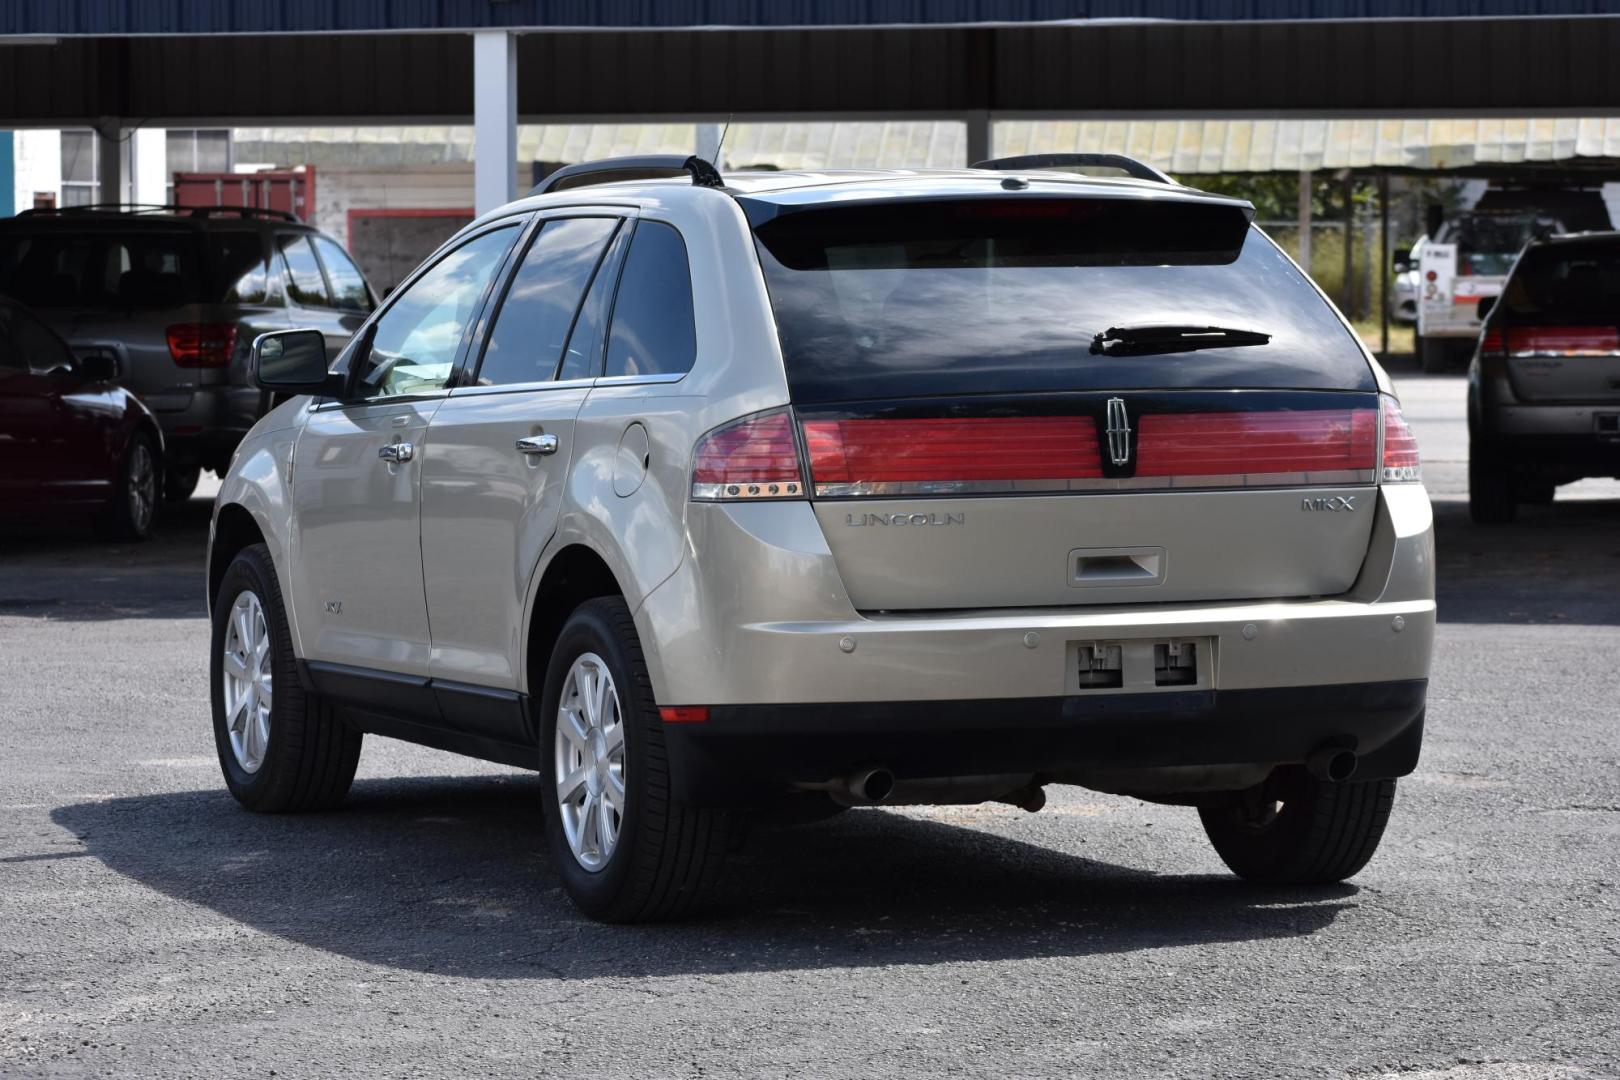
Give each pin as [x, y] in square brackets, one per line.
[37, 160]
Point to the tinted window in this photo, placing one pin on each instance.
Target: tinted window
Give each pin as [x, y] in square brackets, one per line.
[1564, 283]
[994, 296]
[414, 343]
[532, 326]
[583, 357]
[348, 285]
[304, 282]
[26, 343]
[239, 267]
[139, 269]
[653, 331]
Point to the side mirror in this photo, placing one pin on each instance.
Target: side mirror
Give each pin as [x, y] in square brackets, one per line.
[290, 362]
[1402, 262]
[98, 366]
[1483, 308]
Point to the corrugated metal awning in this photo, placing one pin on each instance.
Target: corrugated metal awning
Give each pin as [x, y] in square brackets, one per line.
[1181, 147]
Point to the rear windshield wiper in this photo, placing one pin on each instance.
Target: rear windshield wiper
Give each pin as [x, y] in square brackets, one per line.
[1147, 340]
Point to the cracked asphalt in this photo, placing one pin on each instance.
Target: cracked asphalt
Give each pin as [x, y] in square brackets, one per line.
[148, 927]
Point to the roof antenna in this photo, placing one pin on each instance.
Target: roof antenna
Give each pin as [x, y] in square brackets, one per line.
[722, 142]
[707, 173]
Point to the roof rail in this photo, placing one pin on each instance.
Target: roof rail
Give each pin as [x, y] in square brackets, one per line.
[1140, 170]
[161, 208]
[638, 167]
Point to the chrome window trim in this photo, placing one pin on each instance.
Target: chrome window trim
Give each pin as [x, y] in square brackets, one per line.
[330, 404]
[638, 380]
[537, 386]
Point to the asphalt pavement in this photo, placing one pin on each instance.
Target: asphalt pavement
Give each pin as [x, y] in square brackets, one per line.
[149, 927]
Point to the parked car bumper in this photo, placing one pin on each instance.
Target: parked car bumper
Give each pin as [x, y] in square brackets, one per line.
[742, 753]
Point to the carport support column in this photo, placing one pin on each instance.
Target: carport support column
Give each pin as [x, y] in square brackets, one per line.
[979, 141]
[494, 119]
[111, 161]
[1305, 221]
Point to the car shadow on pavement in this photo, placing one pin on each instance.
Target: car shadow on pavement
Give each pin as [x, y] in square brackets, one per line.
[448, 875]
[1558, 563]
[61, 570]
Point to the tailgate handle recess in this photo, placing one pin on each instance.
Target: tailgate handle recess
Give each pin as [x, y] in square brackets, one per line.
[1090, 567]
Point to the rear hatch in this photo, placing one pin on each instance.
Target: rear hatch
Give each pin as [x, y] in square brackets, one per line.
[111, 282]
[1558, 323]
[1059, 399]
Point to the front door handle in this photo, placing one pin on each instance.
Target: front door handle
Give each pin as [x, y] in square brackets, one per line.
[538, 444]
[396, 452]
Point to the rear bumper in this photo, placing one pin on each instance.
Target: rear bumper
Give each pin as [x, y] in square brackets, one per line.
[745, 752]
[210, 424]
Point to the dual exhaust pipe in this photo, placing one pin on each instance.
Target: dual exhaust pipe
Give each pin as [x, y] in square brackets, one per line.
[1331, 763]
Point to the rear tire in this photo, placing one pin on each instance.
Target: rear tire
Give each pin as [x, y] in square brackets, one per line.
[1296, 830]
[133, 507]
[1493, 490]
[180, 482]
[1431, 355]
[297, 754]
[659, 857]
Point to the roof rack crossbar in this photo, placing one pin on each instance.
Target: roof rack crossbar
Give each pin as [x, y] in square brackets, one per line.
[637, 167]
[161, 208]
[1140, 170]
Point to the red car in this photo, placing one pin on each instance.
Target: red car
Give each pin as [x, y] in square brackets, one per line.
[71, 439]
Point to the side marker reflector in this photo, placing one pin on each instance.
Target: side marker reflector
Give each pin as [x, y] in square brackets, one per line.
[683, 714]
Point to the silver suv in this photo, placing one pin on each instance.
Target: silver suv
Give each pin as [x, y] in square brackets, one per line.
[811, 491]
[179, 295]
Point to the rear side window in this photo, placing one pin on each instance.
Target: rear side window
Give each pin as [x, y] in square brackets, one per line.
[981, 296]
[653, 330]
[1566, 283]
[305, 285]
[348, 284]
[532, 325]
[137, 269]
[239, 260]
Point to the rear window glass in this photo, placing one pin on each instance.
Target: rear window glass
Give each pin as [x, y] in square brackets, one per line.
[239, 266]
[1006, 296]
[1566, 283]
[1488, 244]
[138, 269]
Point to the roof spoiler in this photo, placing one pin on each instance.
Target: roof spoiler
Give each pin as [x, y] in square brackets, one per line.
[638, 167]
[1140, 170]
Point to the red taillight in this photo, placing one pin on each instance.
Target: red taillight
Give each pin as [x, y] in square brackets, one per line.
[1555, 340]
[1432, 276]
[940, 455]
[1400, 447]
[202, 345]
[752, 458]
[1247, 443]
[684, 714]
[1492, 341]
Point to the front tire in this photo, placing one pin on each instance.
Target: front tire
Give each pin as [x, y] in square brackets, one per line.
[281, 749]
[1296, 830]
[625, 848]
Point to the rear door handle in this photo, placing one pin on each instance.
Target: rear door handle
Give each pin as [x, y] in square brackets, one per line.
[396, 452]
[538, 444]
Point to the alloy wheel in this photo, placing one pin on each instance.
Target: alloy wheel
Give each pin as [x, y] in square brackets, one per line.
[248, 681]
[141, 488]
[588, 755]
